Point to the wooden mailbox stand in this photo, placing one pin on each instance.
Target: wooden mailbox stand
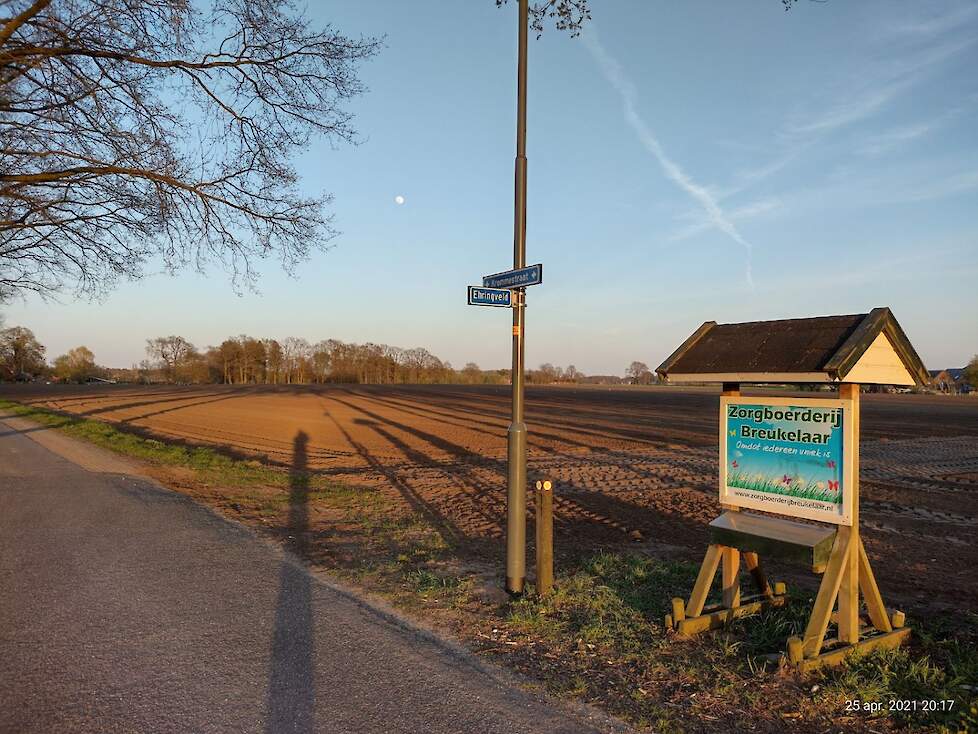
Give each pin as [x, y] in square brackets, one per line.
[847, 351]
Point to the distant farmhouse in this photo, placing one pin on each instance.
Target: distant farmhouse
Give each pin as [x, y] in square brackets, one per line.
[950, 381]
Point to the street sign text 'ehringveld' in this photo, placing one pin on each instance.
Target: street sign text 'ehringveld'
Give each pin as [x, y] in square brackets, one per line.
[489, 296]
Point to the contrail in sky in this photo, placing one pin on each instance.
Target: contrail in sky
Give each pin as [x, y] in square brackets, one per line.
[614, 73]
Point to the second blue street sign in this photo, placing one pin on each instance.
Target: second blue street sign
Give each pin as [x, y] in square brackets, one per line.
[489, 296]
[530, 275]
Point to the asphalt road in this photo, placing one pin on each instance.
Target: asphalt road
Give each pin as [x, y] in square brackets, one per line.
[127, 608]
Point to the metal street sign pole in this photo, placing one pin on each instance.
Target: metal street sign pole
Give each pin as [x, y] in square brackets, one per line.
[516, 497]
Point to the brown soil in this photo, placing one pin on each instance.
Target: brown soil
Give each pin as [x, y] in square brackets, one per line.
[624, 460]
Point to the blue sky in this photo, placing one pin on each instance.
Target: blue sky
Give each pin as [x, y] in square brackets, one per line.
[687, 161]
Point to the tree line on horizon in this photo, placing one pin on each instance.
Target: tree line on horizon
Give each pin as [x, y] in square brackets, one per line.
[246, 360]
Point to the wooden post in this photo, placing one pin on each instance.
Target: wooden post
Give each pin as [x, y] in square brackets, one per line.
[545, 537]
[731, 556]
[795, 650]
[828, 591]
[871, 593]
[730, 390]
[704, 580]
[731, 578]
[849, 587]
[753, 565]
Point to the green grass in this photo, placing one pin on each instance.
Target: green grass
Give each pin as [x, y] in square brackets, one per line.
[614, 604]
[615, 601]
[240, 479]
[796, 488]
[941, 665]
[425, 581]
[209, 462]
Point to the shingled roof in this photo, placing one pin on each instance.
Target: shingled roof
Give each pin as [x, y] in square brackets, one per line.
[867, 348]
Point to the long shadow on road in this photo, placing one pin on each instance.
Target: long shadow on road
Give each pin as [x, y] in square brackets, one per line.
[291, 685]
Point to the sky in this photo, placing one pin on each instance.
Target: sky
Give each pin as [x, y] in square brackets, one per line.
[687, 162]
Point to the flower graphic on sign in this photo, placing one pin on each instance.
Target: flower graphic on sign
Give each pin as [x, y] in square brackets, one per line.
[834, 486]
[830, 464]
[786, 479]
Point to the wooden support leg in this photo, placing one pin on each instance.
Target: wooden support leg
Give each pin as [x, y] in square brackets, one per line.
[871, 593]
[827, 592]
[849, 584]
[731, 578]
[753, 564]
[849, 594]
[703, 581]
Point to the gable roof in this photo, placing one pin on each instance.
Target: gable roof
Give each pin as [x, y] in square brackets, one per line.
[953, 373]
[820, 349]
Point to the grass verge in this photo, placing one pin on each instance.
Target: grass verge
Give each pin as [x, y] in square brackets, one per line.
[599, 636]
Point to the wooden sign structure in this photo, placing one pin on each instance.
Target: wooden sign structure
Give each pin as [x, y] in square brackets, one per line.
[797, 457]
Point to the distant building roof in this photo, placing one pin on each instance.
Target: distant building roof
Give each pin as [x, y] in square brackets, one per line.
[866, 348]
[954, 373]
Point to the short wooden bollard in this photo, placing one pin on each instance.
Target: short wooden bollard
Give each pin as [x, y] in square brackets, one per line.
[545, 537]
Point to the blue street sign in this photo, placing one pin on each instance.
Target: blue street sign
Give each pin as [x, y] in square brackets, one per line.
[530, 275]
[489, 296]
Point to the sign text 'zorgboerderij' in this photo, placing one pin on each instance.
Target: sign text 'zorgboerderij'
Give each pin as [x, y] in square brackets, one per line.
[786, 455]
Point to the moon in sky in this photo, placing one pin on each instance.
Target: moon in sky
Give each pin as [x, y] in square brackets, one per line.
[398, 199]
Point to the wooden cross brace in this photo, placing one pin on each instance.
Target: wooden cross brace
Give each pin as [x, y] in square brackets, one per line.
[694, 616]
[847, 574]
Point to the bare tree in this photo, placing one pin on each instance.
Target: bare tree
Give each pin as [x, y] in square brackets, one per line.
[172, 353]
[571, 15]
[273, 361]
[21, 354]
[970, 373]
[567, 15]
[639, 373]
[76, 366]
[471, 372]
[134, 129]
[545, 374]
[295, 359]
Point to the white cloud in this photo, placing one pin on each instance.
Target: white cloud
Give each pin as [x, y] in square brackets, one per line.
[938, 188]
[876, 86]
[890, 139]
[893, 70]
[901, 184]
[924, 27]
[740, 214]
[856, 106]
[672, 170]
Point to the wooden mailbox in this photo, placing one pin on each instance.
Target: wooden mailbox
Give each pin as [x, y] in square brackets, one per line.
[797, 457]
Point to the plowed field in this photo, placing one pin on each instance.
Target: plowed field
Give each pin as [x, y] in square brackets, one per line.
[624, 460]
